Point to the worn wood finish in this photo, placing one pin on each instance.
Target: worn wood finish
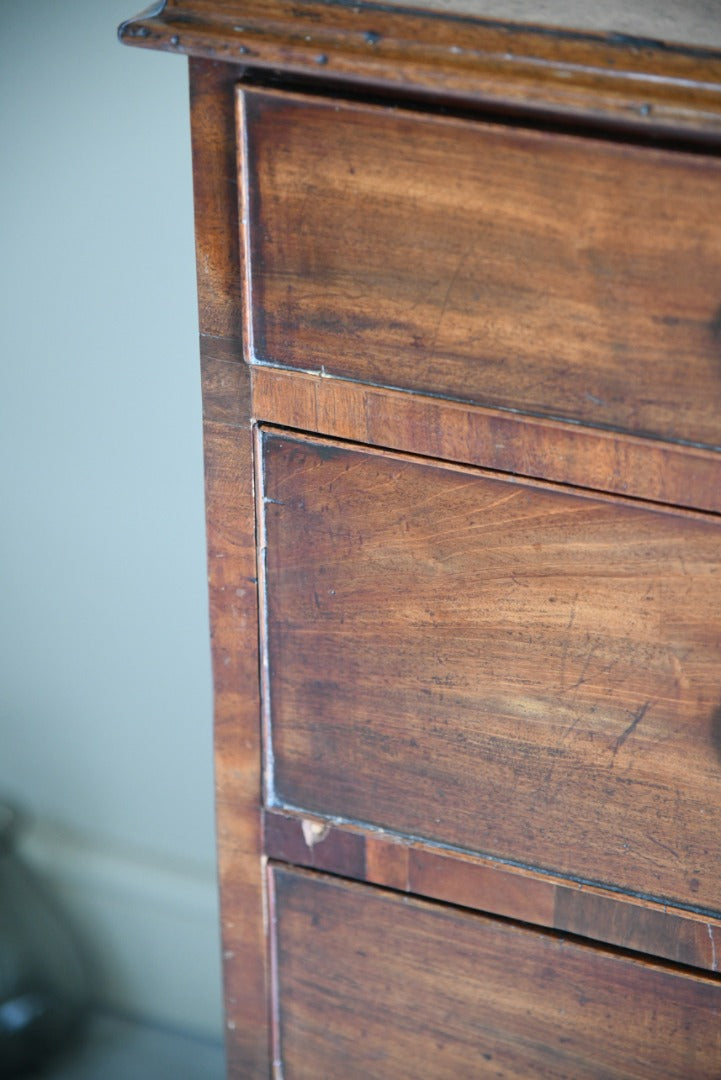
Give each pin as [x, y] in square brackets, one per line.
[644, 84]
[539, 272]
[412, 866]
[220, 302]
[231, 573]
[374, 985]
[237, 776]
[516, 670]
[530, 446]
[517, 682]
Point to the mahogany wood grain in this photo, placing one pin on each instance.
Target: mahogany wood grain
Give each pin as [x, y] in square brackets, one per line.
[232, 587]
[212, 112]
[545, 273]
[530, 446]
[224, 383]
[487, 885]
[571, 75]
[382, 987]
[481, 689]
[505, 667]
[231, 575]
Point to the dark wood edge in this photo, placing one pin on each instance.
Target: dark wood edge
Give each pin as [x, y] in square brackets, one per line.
[602, 79]
[232, 575]
[436, 873]
[244, 224]
[276, 1046]
[265, 680]
[564, 453]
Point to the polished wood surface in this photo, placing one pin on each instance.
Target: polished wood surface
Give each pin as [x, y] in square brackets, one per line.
[634, 83]
[528, 446]
[374, 985]
[499, 666]
[414, 866]
[548, 274]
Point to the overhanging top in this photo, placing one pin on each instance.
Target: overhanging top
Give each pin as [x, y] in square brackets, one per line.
[668, 88]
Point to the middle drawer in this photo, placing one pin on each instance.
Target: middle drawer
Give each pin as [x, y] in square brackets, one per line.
[509, 668]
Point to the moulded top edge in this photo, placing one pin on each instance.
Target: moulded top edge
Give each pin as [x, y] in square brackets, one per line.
[608, 77]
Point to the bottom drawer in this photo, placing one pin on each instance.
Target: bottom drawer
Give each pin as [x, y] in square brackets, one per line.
[373, 984]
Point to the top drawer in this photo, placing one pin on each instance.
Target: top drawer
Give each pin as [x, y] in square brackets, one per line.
[558, 275]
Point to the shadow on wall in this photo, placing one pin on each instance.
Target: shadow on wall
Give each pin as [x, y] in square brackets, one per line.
[44, 977]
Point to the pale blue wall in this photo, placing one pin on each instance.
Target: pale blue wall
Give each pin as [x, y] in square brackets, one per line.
[105, 700]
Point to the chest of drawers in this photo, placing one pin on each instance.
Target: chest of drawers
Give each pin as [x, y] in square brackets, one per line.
[460, 296]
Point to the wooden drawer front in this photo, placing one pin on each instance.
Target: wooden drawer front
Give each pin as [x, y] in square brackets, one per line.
[557, 275]
[370, 984]
[517, 670]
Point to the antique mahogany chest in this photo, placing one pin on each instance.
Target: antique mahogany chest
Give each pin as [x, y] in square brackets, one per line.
[460, 302]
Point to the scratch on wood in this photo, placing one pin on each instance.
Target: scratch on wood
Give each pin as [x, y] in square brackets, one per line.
[637, 718]
[713, 946]
[572, 616]
[446, 298]
[715, 324]
[664, 847]
[582, 677]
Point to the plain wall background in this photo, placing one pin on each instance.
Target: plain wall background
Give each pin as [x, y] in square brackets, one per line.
[105, 696]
